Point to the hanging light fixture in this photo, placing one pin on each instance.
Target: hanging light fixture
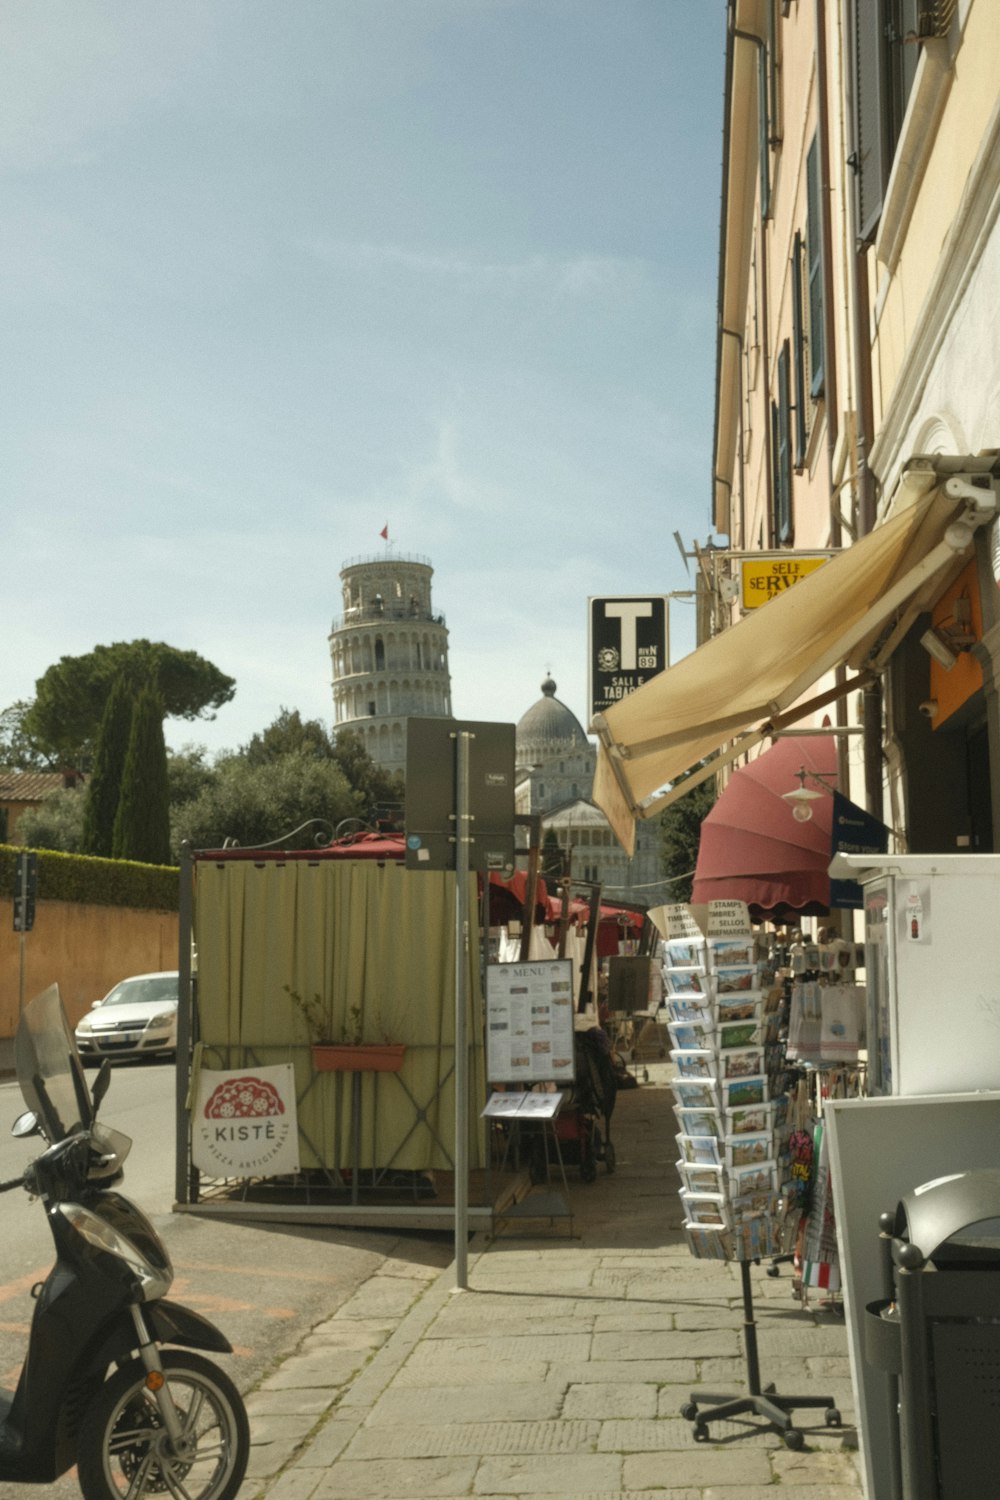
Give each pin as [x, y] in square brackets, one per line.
[803, 797]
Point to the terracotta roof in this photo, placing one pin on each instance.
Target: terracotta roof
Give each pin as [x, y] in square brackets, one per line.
[32, 786]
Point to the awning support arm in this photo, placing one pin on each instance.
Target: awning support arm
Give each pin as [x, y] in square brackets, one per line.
[939, 557]
[751, 738]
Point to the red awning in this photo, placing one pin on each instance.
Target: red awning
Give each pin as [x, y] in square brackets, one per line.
[753, 850]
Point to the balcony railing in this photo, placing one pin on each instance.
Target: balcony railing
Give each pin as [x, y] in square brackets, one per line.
[373, 614]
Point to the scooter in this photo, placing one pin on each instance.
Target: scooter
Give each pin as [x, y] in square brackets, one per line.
[97, 1387]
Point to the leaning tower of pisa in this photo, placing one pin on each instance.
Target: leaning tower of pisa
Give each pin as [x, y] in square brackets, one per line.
[390, 654]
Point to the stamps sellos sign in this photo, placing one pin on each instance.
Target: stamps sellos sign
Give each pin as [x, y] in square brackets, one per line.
[245, 1122]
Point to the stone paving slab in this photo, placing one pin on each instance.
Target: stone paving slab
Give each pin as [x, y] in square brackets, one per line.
[563, 1347]
[540, 1475]
[666, 1345]
[442, 1404]
[699, 1466]
[607, 1399]
[477, 1438]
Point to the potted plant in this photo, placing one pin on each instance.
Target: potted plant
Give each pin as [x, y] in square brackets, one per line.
[348, 1053]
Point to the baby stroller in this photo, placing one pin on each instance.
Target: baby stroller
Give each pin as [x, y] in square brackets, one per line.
[580, 1137]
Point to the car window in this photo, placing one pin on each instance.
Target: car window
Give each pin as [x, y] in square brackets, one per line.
[155, 990]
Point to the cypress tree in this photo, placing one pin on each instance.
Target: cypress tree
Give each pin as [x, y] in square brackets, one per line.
[142, 823]
[104, 784]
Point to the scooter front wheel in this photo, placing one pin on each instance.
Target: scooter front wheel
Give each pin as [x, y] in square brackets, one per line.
[125, 1449]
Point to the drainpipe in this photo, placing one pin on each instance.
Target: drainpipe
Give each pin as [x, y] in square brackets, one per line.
[865, 427]
[831, 391]
[730, 333]
[765, 341]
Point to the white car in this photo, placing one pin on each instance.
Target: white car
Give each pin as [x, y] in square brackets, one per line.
[138, 1018]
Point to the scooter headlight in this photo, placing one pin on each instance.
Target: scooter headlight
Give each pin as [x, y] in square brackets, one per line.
[153, 1281]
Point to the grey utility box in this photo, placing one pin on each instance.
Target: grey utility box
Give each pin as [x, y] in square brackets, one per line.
[936, 1333]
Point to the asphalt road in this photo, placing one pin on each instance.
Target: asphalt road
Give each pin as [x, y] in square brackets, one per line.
[264, 1286]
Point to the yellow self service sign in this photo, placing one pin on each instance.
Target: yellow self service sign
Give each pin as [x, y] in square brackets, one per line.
[770, 573]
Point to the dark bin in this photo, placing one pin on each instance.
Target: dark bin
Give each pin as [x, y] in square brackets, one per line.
[938, 1330]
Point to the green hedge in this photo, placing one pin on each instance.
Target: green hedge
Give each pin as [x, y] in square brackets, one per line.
[95, 882]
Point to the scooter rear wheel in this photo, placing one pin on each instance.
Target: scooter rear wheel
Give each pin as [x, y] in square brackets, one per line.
[124, 1447]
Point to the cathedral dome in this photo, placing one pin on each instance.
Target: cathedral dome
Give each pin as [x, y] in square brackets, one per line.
[548, 728]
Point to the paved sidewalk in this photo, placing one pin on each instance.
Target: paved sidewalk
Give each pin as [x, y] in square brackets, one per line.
[561, 1371]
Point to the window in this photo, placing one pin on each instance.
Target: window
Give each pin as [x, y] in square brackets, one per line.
[782, 452]
[764, 132]
[814, 253]
[885, 60]
[799, 353]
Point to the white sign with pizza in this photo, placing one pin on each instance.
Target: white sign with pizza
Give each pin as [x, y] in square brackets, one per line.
[244, 1123]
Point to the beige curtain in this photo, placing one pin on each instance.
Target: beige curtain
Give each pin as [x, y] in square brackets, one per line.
[374, 945]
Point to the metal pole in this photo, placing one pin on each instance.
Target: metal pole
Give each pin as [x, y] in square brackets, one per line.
[182, 1117]
[461, 1010]
[23, 871]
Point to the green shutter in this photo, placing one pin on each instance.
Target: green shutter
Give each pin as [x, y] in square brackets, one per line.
[763, 132]
[798, 353]
[814, 248]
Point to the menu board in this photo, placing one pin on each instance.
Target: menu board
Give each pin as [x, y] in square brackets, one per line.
[529, 1022]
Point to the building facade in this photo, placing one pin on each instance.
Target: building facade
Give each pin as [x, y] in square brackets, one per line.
[554, 774]
[858, 375]
[389, 654]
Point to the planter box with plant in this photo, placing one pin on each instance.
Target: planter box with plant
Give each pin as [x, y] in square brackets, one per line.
[347, 1054]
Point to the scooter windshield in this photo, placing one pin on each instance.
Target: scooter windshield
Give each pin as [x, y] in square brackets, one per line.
[49, 1069]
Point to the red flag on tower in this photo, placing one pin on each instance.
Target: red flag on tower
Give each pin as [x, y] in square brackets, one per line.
[384, 533]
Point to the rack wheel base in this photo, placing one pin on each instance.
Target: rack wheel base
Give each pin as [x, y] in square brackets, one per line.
[588, 1169]
[610, 1159]
[792, 1438]
[700, 1432]
[832, 1417]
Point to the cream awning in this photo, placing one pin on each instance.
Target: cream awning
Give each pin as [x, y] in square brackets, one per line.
[729, 692]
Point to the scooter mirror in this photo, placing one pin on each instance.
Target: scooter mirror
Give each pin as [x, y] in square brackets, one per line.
[101, 1083]
[25, 1125]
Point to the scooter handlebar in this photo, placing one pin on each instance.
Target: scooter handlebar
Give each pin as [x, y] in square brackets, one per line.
[15, 1182]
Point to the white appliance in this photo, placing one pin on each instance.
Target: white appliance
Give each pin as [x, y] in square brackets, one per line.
[932, 959]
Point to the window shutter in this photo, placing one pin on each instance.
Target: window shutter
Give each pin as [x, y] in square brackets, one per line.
[781, 418]
[871, 143]
[798, 353]
[814, 249]
[763, 132]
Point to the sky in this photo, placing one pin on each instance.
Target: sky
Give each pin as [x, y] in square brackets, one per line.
[276, 275]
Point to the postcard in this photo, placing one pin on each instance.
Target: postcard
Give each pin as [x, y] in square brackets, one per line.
[697, 1093]
[685, 953]
[707, 1242]
[699, 1150]
[748, 1150]
[700, 1178]
[692, 1033]
[746, 1006]
[739, 1034]
[760, 1177]
[751, 1119]
[733, 981]
[738, 1092]
[729, 951]
[694, 1062]
[742, 1062]
[690, 1008]
[705, 1208]
[685, 982]
[699, 1121]
[752, 1205]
